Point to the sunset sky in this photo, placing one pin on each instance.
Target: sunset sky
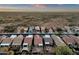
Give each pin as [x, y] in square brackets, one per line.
[39, 7]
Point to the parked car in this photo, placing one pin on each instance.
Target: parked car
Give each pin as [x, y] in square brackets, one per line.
[31, 29]
[37, 29]
[42, 29]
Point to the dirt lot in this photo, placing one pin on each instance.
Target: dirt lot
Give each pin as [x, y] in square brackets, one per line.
[47, 19]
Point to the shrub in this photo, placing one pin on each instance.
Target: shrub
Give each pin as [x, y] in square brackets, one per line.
[3, 49]
[63, 50]
[9, 28]
[11, 52]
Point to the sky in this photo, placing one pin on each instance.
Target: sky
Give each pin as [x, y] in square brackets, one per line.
[39, 7]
